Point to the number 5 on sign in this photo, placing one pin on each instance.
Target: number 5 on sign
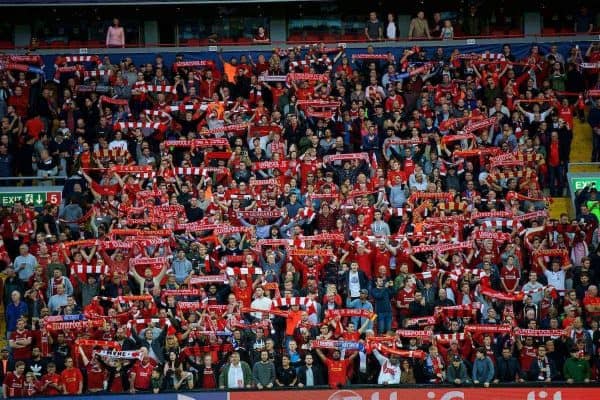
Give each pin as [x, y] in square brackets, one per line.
[54, 198]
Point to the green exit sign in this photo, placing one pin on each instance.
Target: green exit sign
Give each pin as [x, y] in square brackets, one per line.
[581, 182]
[37, 198]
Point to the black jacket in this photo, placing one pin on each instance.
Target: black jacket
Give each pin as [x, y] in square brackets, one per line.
[507, 370]
[318, 377]
[535, 370]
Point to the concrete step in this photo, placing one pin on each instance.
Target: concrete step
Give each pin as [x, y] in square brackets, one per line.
[561, 205]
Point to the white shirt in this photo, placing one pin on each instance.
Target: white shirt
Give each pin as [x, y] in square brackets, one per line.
[389, 374]
[263, 303]
[537, 294]
[556, 279]
[235, 379]
[117, 144]
[354, 284]
[391, 30]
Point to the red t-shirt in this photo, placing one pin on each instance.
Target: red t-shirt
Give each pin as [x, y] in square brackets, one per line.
[15, 385]
[31, 388]
[365, 263]
[588, 300]
[208, 378]
[143, 374]
[528, 354]
[337, 371]
[243, 295]
[511, 277]
[51, 378]
[95, 377]
[71, 378]
[117, 383]
[382, 258]
[20, 103]
[23, 353]
[34, 127]
[405, 298]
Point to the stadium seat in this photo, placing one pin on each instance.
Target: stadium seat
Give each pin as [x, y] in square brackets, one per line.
[331, 38]
[294, 38]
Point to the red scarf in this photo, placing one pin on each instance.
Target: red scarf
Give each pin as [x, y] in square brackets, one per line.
[554, 157]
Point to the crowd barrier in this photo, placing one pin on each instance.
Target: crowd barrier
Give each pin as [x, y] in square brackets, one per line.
[377, 393]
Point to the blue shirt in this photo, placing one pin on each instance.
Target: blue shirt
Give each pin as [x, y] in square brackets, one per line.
[358, 304]
[27, 270]
[181, 269]
[483, 370]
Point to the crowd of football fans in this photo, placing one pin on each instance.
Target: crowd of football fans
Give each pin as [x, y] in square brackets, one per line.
[307, 218]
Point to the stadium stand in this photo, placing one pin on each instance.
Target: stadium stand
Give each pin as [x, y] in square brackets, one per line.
[332, 216]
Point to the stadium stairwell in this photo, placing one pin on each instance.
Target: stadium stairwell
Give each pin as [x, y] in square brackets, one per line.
[581, 152]
[581, 148]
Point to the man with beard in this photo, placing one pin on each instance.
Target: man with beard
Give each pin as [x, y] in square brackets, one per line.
[390, 369]
[337, 369]
[36, 363]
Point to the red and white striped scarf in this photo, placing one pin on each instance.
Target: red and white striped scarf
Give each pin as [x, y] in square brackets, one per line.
[160, 89]
[496, 236]
[419, 354]
[74, 325]
[540, 332]
[448, 337]
[226, 128]
[488, 328]
[304, 63]
[499, 224]
[237, 271]
[348, 312]
[203, 279]
[421, 321]
[159, 126]
[195, 171]
[187, 107]
[190, 305]
[291, 301]
[149, 261]
[158, 113]
[98, 343]
[275, 242]
[194, 63]
[27, 59]
[148, 321]
[121, 354]
[110, 100]
[464, 310]
[443, 247]
[414, 334]
[368, 56]
[61, 60]
[260, 214]
[96, 73]
[80, 269]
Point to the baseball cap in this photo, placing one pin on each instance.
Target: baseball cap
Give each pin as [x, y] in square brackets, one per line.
[364, 291]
